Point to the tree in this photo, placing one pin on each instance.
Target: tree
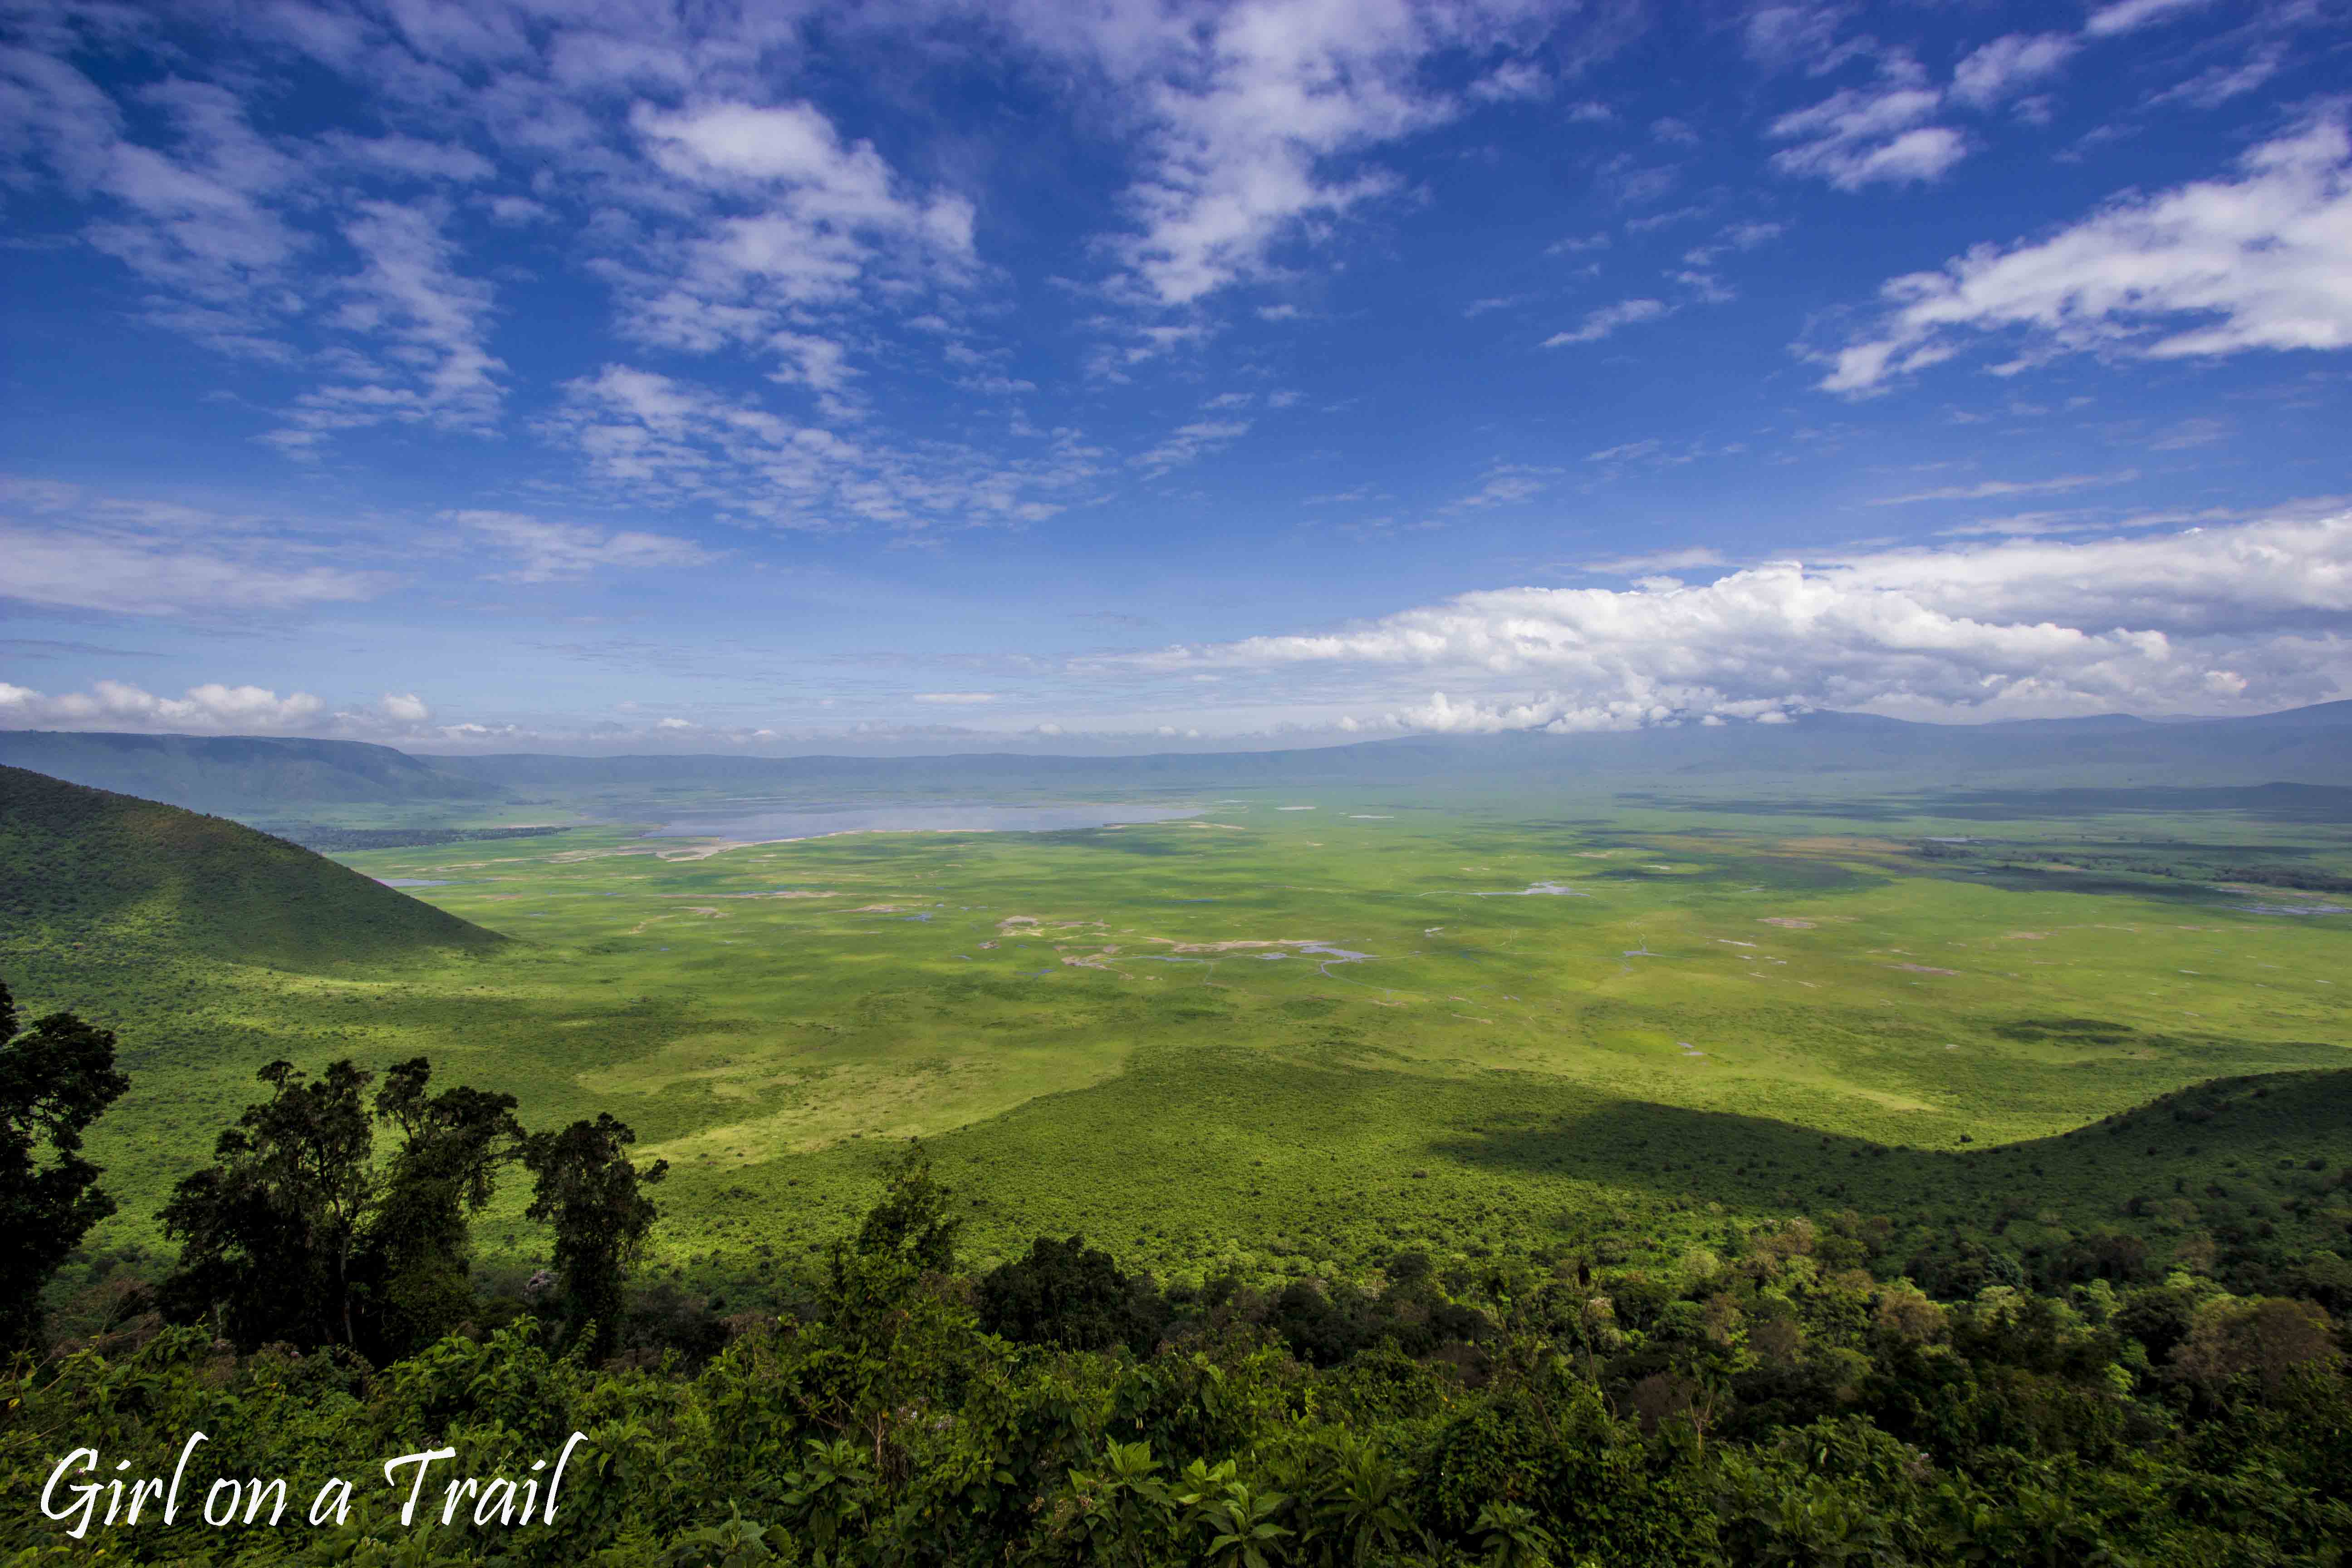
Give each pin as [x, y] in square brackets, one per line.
[415, 1249]
[593, 1197]
[1068, 1294]
[55, 1079]
[911, 1223]
[270, 1231]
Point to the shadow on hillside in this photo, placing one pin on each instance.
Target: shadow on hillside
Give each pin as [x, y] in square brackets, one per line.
[1748, 1161]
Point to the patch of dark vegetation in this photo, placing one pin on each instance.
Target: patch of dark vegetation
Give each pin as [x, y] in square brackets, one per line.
[2266, 803]
[1985, 1387]
[1846, 808]
[2164, 860]
[2041, 879]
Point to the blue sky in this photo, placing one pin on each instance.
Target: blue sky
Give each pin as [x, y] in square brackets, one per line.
[923, 376]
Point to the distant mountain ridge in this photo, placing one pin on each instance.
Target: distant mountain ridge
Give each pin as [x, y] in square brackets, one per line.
[138, 881]
[237, 775]
[274, 780]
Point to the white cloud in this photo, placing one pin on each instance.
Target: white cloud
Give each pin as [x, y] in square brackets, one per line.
[2217, 85]
[1865, 136]
[117, 705]
[97, 558]
[1189, 443]
[2130, 15]
[659, 438]
[434, 363]
[1780, 37]
[1506, 486]
[2216, 268]
[1656, 561]
[956, 699]
[2249, 614]
[403, 708]
[416, 157]
[784, 216]
[545, 552]
[1511, 81]
[1988, 489]
[1256, 118]
[2009, 64]
[1599, 325]
[190, 213]
[1246, 113]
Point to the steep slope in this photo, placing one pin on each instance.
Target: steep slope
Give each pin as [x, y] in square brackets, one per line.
[239, 775]
[133, 880]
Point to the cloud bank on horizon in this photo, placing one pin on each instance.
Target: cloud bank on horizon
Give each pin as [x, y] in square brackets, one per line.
[1194, 373]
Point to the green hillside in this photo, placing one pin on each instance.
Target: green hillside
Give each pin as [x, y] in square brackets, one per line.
[242, 776]
[146, 883]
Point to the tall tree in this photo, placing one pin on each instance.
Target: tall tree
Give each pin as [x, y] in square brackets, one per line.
[55, 1079]
[908, 1233]
[913, 1221]
[299, 1232]
[593, 1197]
[416, 1248]
[270, 1233]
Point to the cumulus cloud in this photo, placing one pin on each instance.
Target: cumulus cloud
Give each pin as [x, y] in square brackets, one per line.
[2250, 613]
[117, 705]
[403, 708]
[956, 699]
[2216, 268]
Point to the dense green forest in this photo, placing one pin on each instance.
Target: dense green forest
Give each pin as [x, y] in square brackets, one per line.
[148, 883]
[1805, 1391]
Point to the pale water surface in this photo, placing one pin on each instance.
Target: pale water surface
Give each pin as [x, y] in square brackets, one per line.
[774, 826]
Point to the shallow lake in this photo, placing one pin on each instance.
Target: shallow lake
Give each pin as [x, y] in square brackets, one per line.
[771, 827]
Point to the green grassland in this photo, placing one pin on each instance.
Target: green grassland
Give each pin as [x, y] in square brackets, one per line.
[1710, 1009]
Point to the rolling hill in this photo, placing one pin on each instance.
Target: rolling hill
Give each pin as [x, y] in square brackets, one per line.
[140, 881]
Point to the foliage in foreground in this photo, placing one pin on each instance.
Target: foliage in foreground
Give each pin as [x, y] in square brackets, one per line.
[1770, 1403]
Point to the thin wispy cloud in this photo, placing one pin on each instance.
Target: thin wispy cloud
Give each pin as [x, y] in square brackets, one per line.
[1986, 490]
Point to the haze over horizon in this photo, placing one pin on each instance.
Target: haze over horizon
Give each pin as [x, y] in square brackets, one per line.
[945, 377]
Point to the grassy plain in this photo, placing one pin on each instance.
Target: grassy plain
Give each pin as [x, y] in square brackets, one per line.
[1299, 1032]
